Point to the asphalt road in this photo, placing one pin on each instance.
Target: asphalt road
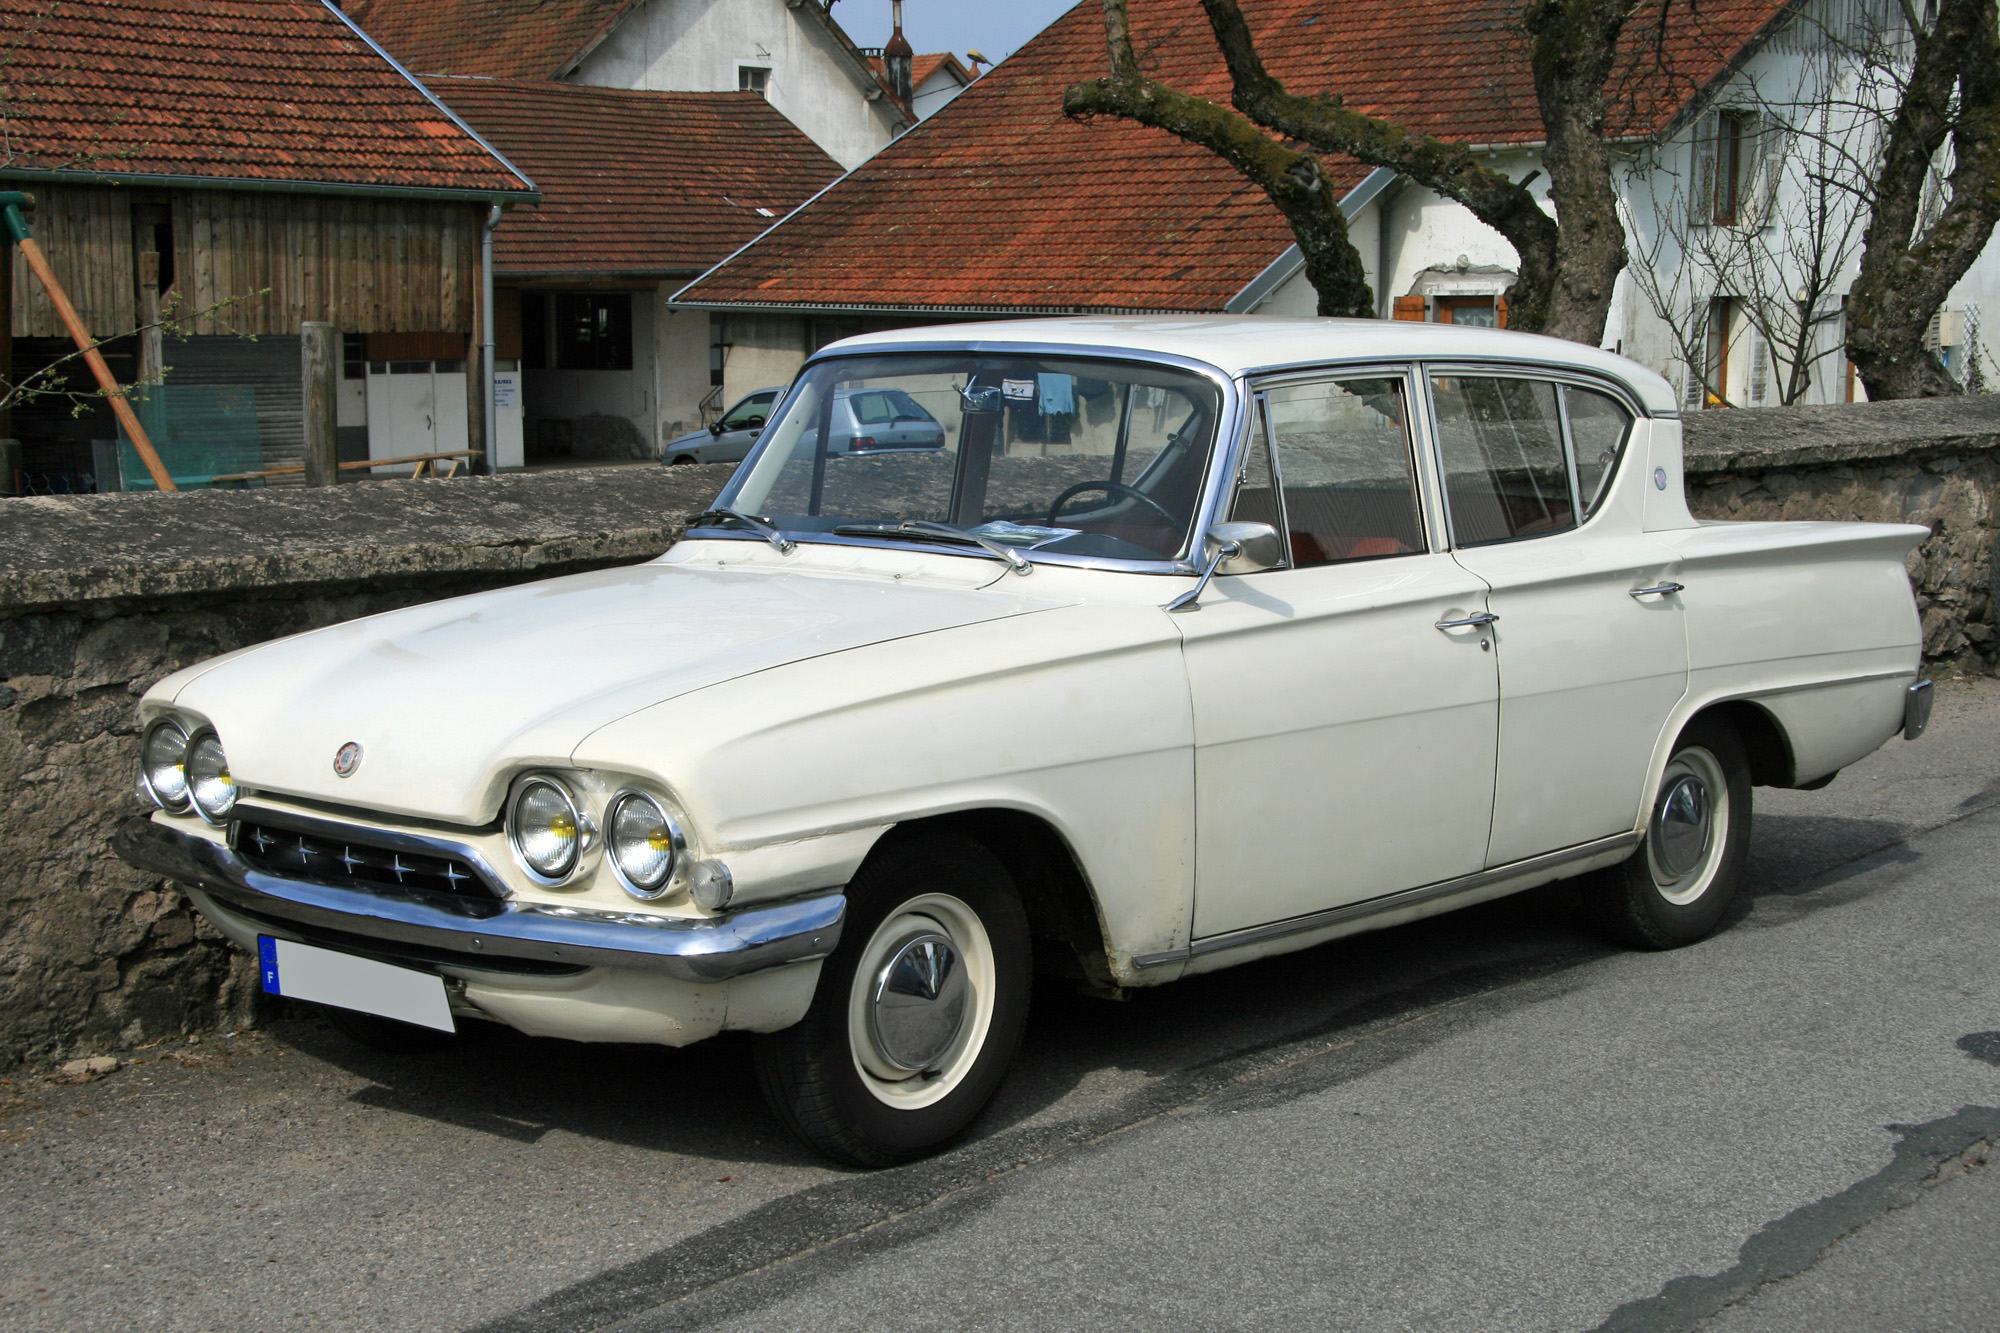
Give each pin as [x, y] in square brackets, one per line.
[1486, 1121]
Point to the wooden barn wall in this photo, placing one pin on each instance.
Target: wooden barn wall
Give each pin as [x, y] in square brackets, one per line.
[87, 235]
[262, 263]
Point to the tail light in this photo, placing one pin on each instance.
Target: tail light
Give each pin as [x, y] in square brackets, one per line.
[862, 442]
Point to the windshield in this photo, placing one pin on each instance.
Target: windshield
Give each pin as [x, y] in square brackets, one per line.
[1064, 455]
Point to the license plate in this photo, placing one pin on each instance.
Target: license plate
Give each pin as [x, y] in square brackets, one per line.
[303, 972]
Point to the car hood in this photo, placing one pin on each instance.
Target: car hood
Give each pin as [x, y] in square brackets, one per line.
[692, 439]
[449, 699]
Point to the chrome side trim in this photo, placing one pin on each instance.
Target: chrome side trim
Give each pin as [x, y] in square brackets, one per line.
[701, 949]
[1333, 916]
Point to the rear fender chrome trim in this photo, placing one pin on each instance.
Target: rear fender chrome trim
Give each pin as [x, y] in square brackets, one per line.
[699, 949]
[1333, 916]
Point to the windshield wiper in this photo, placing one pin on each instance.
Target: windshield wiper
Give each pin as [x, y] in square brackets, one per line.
[942, 532]
[757, 525]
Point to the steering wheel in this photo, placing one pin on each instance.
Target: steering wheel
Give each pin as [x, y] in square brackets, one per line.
[1111, 488]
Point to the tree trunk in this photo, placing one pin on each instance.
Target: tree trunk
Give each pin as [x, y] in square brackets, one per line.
[1574, 46]
[1953, 95]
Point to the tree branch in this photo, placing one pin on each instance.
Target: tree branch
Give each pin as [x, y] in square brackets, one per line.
[1291, 179]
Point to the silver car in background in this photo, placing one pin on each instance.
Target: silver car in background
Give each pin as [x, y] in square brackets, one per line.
[730, 438]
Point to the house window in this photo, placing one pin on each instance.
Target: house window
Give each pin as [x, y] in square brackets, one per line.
[753, 79]
[1728, 167]
[593, 332]
[1476, 311]
[354, 356]
[1715, 354]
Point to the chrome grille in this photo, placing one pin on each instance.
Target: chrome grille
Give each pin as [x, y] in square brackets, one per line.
[284, 851]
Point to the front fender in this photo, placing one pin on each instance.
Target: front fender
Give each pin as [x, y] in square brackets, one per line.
[1079, 715]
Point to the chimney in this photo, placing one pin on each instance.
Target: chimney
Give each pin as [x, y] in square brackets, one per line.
[896, 60]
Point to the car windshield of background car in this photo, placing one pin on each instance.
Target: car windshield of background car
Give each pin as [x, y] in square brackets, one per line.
[1062, 455]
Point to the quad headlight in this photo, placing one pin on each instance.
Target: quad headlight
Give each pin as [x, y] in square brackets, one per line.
[546, 829]
[644, 845]
[208, 782]
[163, 766]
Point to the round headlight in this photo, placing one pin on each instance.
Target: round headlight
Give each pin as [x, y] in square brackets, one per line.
[208, 780]
[545, 828]
[163, 766]
[644, 845]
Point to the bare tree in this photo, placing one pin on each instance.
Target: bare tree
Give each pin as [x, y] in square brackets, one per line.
[1945, 132]
[1785, 250]
[1567, 269]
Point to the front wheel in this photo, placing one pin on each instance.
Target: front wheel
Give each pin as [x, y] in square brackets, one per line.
[917, 1014]
[1675, 889]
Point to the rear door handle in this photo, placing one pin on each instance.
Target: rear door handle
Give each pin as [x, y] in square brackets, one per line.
[1659, 590]
[1483, 618]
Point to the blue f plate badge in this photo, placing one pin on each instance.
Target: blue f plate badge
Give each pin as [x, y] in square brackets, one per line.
[322, 976]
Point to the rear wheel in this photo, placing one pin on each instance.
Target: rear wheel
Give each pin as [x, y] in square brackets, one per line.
[1675, 889]
[918, 1012]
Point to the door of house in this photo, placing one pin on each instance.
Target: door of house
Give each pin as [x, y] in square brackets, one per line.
[415, 407]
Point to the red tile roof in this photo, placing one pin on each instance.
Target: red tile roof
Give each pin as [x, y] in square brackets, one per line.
[637, 182]
[999, 203]
[501, 39]
[277, 90]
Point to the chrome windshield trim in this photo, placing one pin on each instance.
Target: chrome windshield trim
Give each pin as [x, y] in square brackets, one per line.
[699, 949]
[1055, 558]
[1230, 416]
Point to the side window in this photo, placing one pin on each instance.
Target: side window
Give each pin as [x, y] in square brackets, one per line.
[1504, 471]
[1345, 471]
[1598, 429]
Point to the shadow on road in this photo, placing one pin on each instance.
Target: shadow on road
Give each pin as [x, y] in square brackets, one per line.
[1080, 1053]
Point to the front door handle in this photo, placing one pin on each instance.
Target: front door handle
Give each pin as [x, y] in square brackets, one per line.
[1659, 590]
[1483, 618]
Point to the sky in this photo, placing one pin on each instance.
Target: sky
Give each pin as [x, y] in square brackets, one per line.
[958, 26]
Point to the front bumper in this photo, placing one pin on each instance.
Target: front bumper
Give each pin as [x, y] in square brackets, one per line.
[709, 949]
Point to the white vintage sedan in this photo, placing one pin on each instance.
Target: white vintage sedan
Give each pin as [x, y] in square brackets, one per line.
[1200, 639]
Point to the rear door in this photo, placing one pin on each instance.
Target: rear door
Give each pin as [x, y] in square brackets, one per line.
[1592, 660]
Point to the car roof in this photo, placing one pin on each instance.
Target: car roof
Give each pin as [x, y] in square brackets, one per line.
[1245, 344]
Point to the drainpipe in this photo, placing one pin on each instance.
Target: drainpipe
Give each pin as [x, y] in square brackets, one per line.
[488, 414]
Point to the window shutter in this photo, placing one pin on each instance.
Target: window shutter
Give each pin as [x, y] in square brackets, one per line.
[1500, 310]
[1701, 180]
[1410, 307]
[1693, 395]
[1760, 368]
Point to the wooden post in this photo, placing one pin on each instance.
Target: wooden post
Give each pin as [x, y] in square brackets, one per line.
[319, 365]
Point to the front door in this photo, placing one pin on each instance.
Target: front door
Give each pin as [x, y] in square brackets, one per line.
[1344, 743]
[1589, 671]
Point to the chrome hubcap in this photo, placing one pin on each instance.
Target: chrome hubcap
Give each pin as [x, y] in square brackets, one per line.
[1682, 824]
[918, 1002]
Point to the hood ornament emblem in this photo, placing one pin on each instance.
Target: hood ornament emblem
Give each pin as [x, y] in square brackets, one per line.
[346, 759]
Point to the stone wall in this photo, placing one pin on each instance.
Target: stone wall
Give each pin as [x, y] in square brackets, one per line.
[102, 595]
[1934, 462]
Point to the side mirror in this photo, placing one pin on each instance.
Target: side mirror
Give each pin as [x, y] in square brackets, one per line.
[1239, 548]
[715, 428]
[1257, 547]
